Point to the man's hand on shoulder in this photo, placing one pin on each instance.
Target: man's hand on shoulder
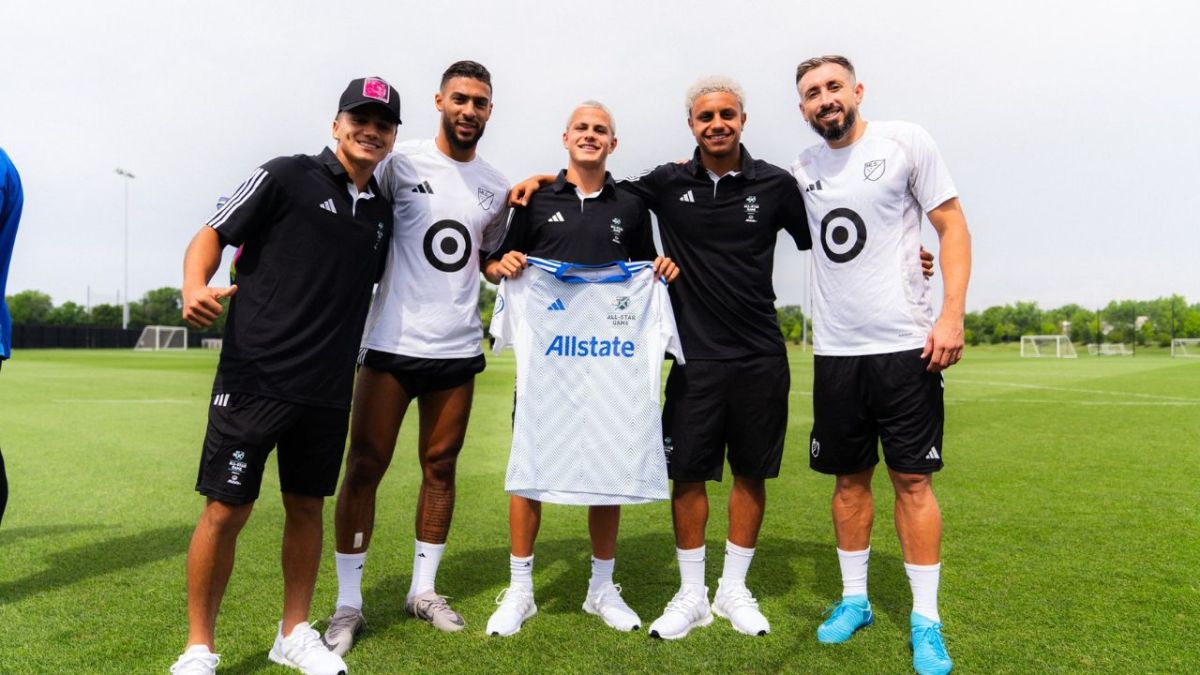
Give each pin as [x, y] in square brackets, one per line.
[521, 192]
[944, 345]
[202, 304]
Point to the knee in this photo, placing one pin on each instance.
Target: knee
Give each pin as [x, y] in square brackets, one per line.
[912, 486]
[224, 518]
[303, 507]
[365, 465]
[682, 490]
[438, 468]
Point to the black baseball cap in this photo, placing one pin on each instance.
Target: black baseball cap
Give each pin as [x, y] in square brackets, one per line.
[371, 91]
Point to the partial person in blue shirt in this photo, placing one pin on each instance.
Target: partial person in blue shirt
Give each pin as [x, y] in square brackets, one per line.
[11, 198]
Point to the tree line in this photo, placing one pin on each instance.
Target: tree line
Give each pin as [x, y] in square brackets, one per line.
[1146, 322]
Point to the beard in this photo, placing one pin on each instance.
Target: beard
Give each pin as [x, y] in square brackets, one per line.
[835, 131]
[456, 141]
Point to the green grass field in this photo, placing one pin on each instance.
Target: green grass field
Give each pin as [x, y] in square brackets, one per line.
[1071, 501]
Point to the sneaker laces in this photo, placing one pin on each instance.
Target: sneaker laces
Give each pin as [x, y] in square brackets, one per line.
[932, 635]
[511, 598]
[606, 589]
[341, 621]
[203, 661]
[683, 602]
[836, 609]
[740, 597]
[307, 640]
[427, 605]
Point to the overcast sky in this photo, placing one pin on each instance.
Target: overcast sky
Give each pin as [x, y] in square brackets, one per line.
[1065, 125]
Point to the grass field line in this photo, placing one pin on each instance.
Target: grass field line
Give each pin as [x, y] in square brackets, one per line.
[125, 401]
[1043, 401]
[1074, 390]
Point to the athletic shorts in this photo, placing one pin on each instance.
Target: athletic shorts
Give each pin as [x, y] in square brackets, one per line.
[859, 401]
[419, 376]
[244, 428]
[740, 405]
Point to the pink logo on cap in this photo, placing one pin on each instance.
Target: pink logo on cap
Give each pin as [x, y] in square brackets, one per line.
[376, 89]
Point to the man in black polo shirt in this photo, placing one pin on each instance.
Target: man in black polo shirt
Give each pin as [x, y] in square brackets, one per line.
[580, 218]
[312, 237]
[719, 216]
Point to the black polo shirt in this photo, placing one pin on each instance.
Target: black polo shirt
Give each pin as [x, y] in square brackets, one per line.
[309, 258]
[557, 224]
[722, 236]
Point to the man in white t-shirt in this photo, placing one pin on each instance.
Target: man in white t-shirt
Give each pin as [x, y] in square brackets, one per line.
[879, 353]
[422, 341]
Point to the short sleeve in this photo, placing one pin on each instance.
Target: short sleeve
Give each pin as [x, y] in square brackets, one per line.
[517, 236]
[646, 185]
[930, 181]
[503, 326]
[642, 247]
[251, 206]
[496, 231]
[667, 329]
[793, 216]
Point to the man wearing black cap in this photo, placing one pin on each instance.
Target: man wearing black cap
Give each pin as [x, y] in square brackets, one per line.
[312, 237]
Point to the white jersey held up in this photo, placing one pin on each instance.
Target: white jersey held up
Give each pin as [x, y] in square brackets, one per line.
[865, 205]
[589, 342]
[445, 212]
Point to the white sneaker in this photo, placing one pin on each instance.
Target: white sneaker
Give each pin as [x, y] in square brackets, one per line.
[516, 605]
[344, 626]
[607, 604]
[304, 651]
[687, 610]
[734, 602]
[196, 660]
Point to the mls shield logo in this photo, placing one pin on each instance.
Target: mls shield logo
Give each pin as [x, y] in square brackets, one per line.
[874, 169]
[485, 198]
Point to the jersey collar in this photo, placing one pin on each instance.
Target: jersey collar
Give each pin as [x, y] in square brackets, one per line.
[561, 184]
[334, 165]
[697, 169]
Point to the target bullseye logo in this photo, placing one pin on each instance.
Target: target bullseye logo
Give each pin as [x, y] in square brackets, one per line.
[448, 245]
[843, 235]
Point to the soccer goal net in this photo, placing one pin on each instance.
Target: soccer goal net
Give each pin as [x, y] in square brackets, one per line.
[155, 338]
[1185, 347]
[1109, 349]
[1053, 346]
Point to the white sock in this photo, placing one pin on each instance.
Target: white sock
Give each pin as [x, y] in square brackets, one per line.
[854, 571]
[691, 566]
[521, 572]
[426, 558]
[737, 562]
[602, 573]
[349, 574]
[924, 581]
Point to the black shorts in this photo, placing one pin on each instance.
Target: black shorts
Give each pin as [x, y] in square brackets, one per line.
[713, 405]
[859, 401]
[419, 376]
[242, 430]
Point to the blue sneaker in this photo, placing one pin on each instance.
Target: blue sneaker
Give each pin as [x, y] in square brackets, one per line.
[846, 616]
[929, 651]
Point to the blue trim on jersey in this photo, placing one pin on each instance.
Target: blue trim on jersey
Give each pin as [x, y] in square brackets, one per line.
[12, 196]
[563, 270]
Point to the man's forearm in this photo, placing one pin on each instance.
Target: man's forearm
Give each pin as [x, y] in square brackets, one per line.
[202, 259]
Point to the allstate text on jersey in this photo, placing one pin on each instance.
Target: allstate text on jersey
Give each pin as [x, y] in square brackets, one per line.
[569, 345]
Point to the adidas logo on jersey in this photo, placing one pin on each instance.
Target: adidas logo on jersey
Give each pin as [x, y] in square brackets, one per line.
[424, 188]
[221, 400]
[328, 206]
[687, 197]
[557, 218]
[813, 187]
[933, 453]
[557, 305]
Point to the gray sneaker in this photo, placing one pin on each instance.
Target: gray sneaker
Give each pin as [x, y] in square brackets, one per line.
[344, 625]
[431, 607]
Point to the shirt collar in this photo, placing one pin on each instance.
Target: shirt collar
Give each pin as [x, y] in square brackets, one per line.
[561, 184]
[330, 159]
[697, 169]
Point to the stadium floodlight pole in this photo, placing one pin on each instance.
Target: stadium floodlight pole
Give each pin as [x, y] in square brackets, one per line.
[125, 306]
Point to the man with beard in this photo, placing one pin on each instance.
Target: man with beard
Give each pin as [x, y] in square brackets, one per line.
[313, 237]
[879, 353]
[423, 342]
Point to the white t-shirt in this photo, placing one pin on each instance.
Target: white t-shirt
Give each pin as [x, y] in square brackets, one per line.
[445, 212]
[589, 342]
[865, 205]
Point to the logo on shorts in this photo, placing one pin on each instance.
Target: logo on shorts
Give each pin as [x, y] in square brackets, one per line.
[873, 170]
[751, 207]
[236, 467]
[933, 453]
[668, 447]
[815, 448]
